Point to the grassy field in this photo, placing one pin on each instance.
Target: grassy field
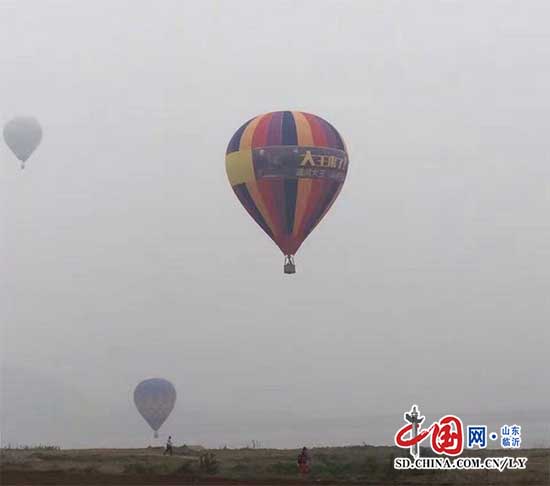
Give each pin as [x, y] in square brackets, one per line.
[331, 465]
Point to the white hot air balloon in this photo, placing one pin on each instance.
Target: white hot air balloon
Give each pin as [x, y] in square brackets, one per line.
[22, 135]
[155, 399]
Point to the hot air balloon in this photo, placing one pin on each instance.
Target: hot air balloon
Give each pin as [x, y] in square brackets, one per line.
[22, 135]
[155, 399]
[287, 168]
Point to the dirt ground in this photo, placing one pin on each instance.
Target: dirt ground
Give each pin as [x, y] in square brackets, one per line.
[258, 467]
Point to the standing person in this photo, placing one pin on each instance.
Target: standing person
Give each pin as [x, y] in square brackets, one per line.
[168, 449]
[304, 461]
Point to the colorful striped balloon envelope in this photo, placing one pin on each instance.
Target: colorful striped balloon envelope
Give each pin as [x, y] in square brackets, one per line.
[287, 169]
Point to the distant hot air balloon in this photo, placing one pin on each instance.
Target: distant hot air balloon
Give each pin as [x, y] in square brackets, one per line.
[287, 168]
[155, 399]
[22, 135]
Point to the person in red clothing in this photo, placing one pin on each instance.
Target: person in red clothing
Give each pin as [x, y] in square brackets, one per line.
[304, 461]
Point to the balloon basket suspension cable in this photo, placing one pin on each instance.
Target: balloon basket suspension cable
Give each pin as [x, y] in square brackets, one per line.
[289, 266]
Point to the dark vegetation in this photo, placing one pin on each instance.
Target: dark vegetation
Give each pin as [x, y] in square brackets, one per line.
[357, 464]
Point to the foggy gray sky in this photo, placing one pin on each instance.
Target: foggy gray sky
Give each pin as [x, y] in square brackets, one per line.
[126, 255]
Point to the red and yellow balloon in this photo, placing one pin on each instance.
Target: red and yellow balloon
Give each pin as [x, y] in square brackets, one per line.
[287, 169]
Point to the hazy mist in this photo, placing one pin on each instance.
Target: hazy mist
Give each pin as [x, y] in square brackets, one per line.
[125, 254]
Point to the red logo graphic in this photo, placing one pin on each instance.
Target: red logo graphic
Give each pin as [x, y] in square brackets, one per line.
[447, 436]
